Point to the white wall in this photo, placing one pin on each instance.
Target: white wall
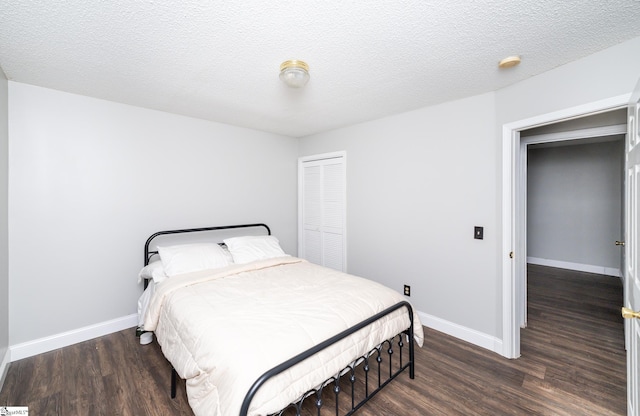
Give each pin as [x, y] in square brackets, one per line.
[574, 205]
[605, 74]
[4, 240]
[417, 184]
[90, 180]
[586, 83]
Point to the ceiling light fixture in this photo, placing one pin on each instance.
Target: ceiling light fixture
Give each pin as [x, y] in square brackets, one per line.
[509, 61]
[294, 73]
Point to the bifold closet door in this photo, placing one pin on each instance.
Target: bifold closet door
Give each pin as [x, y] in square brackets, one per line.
[322, 194]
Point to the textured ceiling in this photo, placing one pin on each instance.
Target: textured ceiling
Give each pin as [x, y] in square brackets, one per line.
[219, 60]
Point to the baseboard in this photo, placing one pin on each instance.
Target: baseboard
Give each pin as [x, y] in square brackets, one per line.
[4, 366]
[42, 345]
[588, 268]
[472, 336]
[46, 344]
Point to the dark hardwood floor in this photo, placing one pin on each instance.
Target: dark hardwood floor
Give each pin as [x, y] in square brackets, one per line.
[572, 363]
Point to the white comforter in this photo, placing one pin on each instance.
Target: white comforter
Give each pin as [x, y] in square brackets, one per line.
[222, 329]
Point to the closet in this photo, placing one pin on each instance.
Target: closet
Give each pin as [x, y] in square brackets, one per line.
[321, 209]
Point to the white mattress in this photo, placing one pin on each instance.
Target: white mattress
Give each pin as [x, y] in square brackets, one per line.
[222, 329]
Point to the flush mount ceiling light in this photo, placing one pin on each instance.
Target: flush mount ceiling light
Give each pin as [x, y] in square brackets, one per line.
[509, 61]
[294, 73]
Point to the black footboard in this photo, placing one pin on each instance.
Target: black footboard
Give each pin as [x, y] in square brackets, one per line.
[375, 357]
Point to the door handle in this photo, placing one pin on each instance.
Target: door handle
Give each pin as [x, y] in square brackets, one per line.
[619, 243]
[628, 313]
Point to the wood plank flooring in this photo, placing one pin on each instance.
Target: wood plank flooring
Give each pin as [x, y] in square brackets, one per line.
[573, 363]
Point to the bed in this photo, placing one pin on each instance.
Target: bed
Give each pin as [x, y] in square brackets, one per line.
[254, 331]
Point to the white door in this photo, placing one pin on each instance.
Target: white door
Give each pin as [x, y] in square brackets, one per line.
[321, 210]
[632, 275]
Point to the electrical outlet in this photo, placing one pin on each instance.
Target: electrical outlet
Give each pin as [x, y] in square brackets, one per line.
[407, 290]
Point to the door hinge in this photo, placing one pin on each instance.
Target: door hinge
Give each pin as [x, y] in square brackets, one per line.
[511, 254]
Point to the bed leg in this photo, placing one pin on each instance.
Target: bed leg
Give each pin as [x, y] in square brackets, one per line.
[412, 365]
[173, 383]
[412, 369]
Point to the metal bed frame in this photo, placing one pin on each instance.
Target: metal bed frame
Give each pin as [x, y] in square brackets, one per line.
[375, 358]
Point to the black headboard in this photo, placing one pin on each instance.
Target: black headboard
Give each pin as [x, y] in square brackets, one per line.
[148, 254]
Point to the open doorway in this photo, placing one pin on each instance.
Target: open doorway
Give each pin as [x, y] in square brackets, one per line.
[573, 189]
[513, 260]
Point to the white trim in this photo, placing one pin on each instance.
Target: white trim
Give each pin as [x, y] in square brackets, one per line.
[510, 339]
[566, 114]
[4, 366]
[603, 131]
[588, 268]
[472, 336]
[323, 156]
[520, 229]
[510, 146]
[46, 344]
[53, 342]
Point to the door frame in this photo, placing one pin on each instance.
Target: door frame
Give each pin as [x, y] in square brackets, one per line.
[521, 215]
[513, 252]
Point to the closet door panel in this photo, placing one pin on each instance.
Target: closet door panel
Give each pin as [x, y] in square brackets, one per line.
[322, 190]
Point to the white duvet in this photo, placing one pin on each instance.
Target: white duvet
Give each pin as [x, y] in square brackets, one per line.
[223, 329]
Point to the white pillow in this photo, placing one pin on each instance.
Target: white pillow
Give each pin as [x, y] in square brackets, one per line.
[153, 270]
[252, 248]
[186, 258]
